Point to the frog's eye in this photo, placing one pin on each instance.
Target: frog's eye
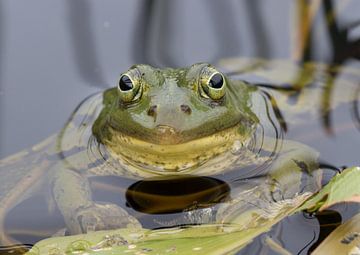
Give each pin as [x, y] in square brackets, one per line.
[125, 83]
[128, 88]
[216, 81]
[213, 85]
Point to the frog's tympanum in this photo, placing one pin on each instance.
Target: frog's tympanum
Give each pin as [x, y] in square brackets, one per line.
[158, 124]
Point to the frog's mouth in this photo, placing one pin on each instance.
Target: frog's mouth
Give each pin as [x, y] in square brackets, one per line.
[172, 156]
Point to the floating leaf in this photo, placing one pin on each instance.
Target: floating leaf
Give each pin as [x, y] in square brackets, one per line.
[343, 240]
[343, 187]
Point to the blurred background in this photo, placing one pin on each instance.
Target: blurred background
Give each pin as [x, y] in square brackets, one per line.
[55, 53]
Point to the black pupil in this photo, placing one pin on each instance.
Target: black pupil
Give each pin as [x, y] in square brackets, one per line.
[216, 81]
[125, 83]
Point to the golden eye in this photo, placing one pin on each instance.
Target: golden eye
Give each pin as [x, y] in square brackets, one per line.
[129, 89]
[213, 84]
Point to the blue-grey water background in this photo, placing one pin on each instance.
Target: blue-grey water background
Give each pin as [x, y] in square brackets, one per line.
[55, 53]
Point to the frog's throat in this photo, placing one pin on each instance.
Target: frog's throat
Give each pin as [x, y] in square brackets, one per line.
[174, 157]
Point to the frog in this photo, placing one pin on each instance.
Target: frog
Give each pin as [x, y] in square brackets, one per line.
[160, 123]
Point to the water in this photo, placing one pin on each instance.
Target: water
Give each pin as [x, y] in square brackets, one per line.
[53, 56]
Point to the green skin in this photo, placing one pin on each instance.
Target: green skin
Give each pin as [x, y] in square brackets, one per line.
[171, 109]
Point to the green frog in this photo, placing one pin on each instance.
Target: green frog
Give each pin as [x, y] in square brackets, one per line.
[158, 124]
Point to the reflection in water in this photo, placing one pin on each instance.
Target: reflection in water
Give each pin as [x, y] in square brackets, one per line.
[258, 29]
[2, 52]
[279, 116]
[224, 32]
[328, 220]
[142, 31]
[325, 108]
[177, 194]
[356, 109]
[84, 43]
[343, 47]
[151, 34]
[315, 88]
[36, 224]
[155, 33]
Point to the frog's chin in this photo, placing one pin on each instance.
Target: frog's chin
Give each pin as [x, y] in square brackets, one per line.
[172, 158]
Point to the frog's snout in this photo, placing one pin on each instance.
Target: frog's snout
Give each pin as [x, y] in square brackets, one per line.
[183, 108]
[169, 121]
[152, 111]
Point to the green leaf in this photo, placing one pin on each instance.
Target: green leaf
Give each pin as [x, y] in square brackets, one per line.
[344, 187]
[345, 239]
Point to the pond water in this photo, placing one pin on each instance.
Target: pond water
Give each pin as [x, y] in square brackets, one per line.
[55, 54]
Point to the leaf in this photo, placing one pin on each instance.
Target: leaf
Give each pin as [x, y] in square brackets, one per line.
[202, 239]
[343, 187]
[345, 239]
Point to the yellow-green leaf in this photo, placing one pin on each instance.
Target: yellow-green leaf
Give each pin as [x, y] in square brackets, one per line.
[344, 187]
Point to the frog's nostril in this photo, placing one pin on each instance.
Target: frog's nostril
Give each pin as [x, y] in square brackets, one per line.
[185, 108]
[152, 111]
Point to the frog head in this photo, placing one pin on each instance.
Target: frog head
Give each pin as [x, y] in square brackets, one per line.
[170, 120]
